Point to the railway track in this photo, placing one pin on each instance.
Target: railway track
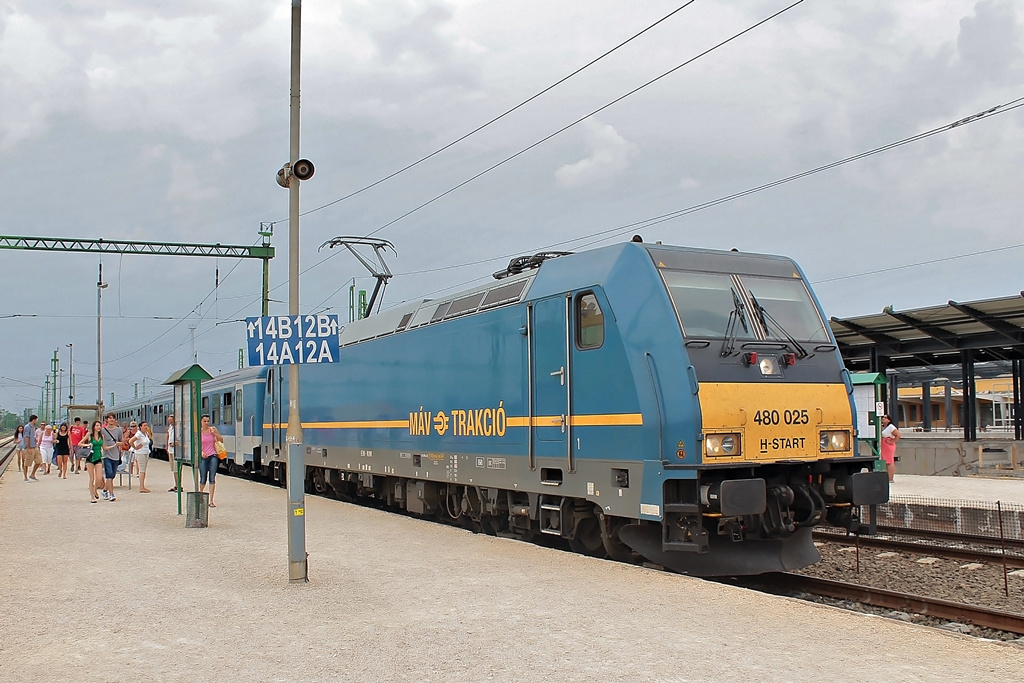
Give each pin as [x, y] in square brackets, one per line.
[952, 546]
[879, 597]
[7, 448]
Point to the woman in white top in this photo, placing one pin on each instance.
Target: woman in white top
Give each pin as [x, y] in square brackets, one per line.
[46, 447]
[141, 444]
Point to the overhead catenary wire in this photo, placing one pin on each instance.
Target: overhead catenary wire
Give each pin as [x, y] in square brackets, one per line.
[622, 229]
[582, 118]
[929, 262]
[496, 118]
[648, 222]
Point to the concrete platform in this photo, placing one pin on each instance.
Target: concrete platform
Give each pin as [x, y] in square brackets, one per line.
[122, 591]
[984, 489]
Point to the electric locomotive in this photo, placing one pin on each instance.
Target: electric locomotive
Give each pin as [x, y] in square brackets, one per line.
[638, 401]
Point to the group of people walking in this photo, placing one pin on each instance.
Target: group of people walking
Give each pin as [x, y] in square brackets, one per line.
[106, 449]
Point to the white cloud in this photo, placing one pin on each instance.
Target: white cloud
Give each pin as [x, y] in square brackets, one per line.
[35, 81]
[610, 155]
[186, 185]
[689, 183]
[152, 152]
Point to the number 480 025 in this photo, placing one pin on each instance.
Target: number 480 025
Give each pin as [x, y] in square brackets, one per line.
[767, 418]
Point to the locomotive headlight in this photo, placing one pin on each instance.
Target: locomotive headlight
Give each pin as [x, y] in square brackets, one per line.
[769, 366]
[834, 440]
[722, 445]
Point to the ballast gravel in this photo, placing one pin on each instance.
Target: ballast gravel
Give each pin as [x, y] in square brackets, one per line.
[122, 591]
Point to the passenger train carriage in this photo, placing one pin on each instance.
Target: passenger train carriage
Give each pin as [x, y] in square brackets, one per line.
[234, 402]
[688, 407]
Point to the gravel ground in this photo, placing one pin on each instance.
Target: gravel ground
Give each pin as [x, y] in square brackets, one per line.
[122, 591]
[935, 577]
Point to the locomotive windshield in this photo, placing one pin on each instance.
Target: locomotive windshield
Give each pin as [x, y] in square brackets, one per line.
[788, 302]
[704, 302]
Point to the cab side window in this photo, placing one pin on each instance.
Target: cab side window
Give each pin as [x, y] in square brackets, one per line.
[589, 322]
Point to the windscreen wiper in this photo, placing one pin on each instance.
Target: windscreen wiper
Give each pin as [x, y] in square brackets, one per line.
[738, 314]
[765, 317]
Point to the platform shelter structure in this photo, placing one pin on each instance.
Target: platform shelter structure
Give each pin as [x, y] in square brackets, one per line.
[953, 344]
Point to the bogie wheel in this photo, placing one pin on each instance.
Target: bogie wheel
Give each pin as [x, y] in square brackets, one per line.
[616, 549]
[587, 540]
[319, 482]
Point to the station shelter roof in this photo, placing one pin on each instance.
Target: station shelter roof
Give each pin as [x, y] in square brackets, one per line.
[926, 343]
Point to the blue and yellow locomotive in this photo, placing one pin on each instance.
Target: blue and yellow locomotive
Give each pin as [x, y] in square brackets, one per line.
[688, 407]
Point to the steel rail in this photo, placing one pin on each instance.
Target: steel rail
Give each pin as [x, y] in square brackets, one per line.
[950, 553]
[6, 459]
[879, 597]
[949, 536]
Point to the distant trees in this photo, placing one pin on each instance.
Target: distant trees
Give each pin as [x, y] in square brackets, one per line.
[8, 421]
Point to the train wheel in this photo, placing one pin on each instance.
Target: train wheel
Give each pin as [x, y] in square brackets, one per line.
[616, 549]
[587, 540]
[320, 485]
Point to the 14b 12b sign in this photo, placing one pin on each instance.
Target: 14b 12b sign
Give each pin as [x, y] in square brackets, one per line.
[287, 339]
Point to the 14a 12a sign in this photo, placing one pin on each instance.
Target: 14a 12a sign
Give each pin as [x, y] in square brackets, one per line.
[287, 339]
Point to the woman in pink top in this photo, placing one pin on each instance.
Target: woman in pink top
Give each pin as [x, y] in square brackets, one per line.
[208, 465]
[890, 435]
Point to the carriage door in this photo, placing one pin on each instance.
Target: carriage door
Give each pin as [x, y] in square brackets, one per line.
[242, 439]
[551, 410]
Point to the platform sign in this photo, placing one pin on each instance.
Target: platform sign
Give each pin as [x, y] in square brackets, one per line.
[287, 339]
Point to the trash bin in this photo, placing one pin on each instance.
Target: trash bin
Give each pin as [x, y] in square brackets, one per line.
[197, 510]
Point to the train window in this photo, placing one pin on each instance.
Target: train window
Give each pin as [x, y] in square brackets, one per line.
[787, 301]
[227, 407]
[270, 381]
[238, 405]
[589, 322]
[704, 302]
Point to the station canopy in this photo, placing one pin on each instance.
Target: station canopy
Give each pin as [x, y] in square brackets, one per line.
[926, 344]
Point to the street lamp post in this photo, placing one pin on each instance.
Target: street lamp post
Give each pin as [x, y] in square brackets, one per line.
[100, 286]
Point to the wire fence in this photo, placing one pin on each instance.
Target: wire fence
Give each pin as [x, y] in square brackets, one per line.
[948, 520]
[993, 521]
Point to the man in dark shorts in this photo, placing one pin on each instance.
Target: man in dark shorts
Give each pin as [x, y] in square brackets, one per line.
[78, 454]
[112, 438]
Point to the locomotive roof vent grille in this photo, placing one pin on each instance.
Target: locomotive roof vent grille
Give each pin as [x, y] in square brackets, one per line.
[465, 305]
[504, 294]
[440, 311]
[405, 321]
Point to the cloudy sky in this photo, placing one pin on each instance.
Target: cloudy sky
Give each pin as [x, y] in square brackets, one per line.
[167, 121]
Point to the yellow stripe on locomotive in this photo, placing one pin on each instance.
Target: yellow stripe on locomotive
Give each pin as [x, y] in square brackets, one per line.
[774, 422]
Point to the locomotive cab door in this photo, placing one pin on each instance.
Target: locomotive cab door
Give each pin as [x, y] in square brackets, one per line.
[551, 381]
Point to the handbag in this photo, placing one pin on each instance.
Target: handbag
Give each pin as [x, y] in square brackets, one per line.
[222, 451]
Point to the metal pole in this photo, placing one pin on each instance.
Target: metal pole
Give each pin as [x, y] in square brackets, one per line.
[100, 286]
[71, 375]
[55, 369]
[296, 466]
[1002, 546]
